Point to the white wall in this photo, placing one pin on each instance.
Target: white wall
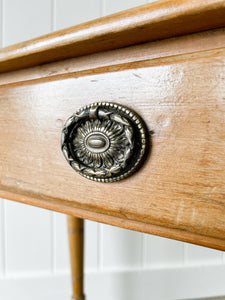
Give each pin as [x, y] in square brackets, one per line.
[120, 264]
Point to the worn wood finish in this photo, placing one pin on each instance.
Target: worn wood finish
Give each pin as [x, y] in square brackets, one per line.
[212, 39]
[179, 192]
[76, 241]
[151, 22]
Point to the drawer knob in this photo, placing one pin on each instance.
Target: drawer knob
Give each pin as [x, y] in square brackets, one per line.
[104, 141]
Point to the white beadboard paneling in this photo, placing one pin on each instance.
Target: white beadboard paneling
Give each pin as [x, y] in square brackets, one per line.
[70, 12]
[91, 246]
[162, 252]
[110, 7]
[61, 246]
[202, 255]
[28, 229]
[37, 287]
[120, 248]
[28, 239]
[157, 284]
[25, 19]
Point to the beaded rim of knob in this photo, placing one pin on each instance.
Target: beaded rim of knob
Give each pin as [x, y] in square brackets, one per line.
[104, 141]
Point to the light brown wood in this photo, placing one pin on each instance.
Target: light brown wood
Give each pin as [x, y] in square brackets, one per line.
[151, 22]
[67, 208]
[178, 193]
[76, 240]
[207, 40]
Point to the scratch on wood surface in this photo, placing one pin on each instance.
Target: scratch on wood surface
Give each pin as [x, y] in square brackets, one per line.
[180, 210]
[193, 214]
[18, 182]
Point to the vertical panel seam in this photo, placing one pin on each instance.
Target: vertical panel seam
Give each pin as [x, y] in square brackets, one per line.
[52, 243]
[3, 241]
[100, 247]
[2, 24]
[102, 8]
[53, 15]
[185, 255]
[144, 250]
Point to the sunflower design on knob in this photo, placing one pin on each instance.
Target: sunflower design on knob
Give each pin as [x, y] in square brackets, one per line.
[104, 141]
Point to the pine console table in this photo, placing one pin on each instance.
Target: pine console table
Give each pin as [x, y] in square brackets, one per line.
[160, 66]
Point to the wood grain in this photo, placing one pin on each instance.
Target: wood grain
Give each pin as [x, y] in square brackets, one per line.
[178, 193]
[76, 242]
[150, 22]
[206, 40]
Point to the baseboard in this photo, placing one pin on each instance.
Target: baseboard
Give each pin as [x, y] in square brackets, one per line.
[155, 284]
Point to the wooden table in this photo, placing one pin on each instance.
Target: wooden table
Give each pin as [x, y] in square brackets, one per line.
[166, 62]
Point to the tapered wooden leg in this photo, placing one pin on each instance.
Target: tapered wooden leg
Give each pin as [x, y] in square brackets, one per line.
[76, 242]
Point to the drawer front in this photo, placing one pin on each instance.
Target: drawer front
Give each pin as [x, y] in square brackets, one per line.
[179, 192]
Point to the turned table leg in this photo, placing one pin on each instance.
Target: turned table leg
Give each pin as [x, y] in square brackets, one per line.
[75, 232]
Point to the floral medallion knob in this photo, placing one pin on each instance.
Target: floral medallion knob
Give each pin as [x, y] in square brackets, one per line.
[104, 141]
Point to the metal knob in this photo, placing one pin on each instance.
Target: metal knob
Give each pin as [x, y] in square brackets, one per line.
[104, 141]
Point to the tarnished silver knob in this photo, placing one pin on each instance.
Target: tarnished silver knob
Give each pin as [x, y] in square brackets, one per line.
[104, 141]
